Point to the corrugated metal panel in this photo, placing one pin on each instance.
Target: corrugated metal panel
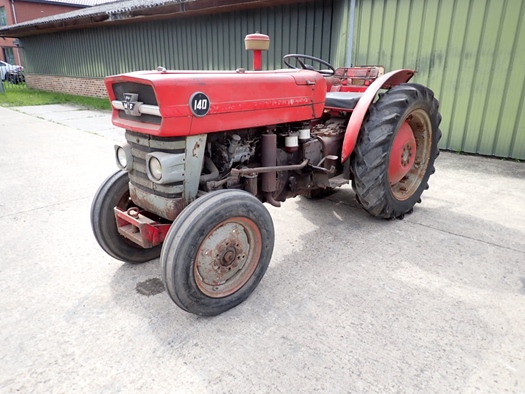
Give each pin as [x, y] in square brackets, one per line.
[470, 52]
[204, 42]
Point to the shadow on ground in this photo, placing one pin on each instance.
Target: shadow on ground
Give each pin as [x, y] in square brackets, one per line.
[344, 287]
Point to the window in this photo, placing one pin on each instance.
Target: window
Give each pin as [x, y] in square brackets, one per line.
[3, 17]
[9, 56]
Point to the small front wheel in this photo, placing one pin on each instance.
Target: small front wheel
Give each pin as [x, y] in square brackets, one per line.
[217, 251]
[114, 192]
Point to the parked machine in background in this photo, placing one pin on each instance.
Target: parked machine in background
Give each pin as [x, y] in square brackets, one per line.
[11, 72]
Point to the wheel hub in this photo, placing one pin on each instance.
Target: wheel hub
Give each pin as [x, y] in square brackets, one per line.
[406, 155]
[410, 155]
[227, 257]
[401, 157]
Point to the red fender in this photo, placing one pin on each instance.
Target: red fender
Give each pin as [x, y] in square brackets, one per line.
[358, 114]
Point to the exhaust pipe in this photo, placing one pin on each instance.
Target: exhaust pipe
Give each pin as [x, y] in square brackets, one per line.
[269, 159]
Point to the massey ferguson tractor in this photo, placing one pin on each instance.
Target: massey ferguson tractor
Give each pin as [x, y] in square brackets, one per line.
[205, 149]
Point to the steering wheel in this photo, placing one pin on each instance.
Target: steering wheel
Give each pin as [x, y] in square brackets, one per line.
[298, 57]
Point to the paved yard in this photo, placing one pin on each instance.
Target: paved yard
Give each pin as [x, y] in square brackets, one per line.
[434, 303]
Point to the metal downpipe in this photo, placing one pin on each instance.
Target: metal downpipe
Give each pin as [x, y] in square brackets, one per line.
[350, 41]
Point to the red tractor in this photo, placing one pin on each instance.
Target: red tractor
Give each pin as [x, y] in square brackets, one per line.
[206, 149]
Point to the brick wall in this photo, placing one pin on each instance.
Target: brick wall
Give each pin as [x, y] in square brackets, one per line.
[7, 42]
[26, 11]
[92, 87]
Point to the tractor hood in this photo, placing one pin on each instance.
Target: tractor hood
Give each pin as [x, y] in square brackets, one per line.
[181, 103]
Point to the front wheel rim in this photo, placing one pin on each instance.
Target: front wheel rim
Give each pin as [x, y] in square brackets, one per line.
[421, 127]
[227, 257]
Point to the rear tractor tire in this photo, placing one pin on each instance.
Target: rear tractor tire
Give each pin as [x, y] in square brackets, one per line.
[217, 251]
[114, 192]
[395, 152]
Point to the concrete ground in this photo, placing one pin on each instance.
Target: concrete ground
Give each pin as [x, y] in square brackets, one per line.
[434, 303]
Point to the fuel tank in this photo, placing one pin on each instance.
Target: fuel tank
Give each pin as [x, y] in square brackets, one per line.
[182, 103]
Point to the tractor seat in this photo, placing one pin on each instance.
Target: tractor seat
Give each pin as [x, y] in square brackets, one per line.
[345, 100]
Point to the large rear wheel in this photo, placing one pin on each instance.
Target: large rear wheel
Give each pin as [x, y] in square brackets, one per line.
[217, 251]
[114, 192]
[395, 151]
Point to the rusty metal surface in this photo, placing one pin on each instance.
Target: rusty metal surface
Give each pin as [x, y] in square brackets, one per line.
[269, 159]
[266, 170]
[227, 257]
[195, 146]
[250, 184]
[312, 150]
[332, 148]
[167, 208]
[421, 128]
[140, 229]
[141, 145]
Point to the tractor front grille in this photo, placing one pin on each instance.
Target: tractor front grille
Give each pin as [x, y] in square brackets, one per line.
[146, 96]
[141, 145]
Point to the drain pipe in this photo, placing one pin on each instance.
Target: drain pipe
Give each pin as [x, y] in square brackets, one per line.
[350, 42]
[16, 22]
[14, 11]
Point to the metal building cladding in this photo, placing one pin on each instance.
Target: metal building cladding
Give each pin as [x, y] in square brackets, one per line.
[470, 52]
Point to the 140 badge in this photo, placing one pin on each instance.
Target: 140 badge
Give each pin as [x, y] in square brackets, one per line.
[199, 104]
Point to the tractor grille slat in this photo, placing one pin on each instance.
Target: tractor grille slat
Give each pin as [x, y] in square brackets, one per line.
[146, 96]
[141, 145]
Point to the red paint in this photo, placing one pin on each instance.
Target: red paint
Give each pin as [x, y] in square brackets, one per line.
[237, 100]
[150, 233]
[358, 115]
[257, 60]
[402, 154]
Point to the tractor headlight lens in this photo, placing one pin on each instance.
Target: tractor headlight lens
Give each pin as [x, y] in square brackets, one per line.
[121, 157]
[164, 168]
[155, 168]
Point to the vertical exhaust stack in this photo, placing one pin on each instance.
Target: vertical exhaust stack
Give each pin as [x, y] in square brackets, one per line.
[269, 159]
[257, 43]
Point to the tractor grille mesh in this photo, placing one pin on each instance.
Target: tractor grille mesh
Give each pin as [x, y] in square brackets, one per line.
[146, 96]
[141, 145]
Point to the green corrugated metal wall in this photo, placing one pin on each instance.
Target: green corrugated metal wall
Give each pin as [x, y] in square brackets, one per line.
[203, 42]
[470, 52]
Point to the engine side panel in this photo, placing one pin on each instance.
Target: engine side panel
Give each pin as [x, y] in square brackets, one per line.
[236, 100]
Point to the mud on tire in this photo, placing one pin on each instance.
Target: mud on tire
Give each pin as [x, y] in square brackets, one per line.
[411, 104]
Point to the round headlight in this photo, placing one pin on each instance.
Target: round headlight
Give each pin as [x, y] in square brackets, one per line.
[121, 158]
[155, 168]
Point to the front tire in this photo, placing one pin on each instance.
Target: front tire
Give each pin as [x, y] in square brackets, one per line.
[217, 251]
[114, 192]
[411, 110]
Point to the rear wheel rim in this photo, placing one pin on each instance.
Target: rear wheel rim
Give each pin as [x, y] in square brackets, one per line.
[227, 257]
[421, 127]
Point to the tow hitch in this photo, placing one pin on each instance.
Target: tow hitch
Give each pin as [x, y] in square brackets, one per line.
[133, 225]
